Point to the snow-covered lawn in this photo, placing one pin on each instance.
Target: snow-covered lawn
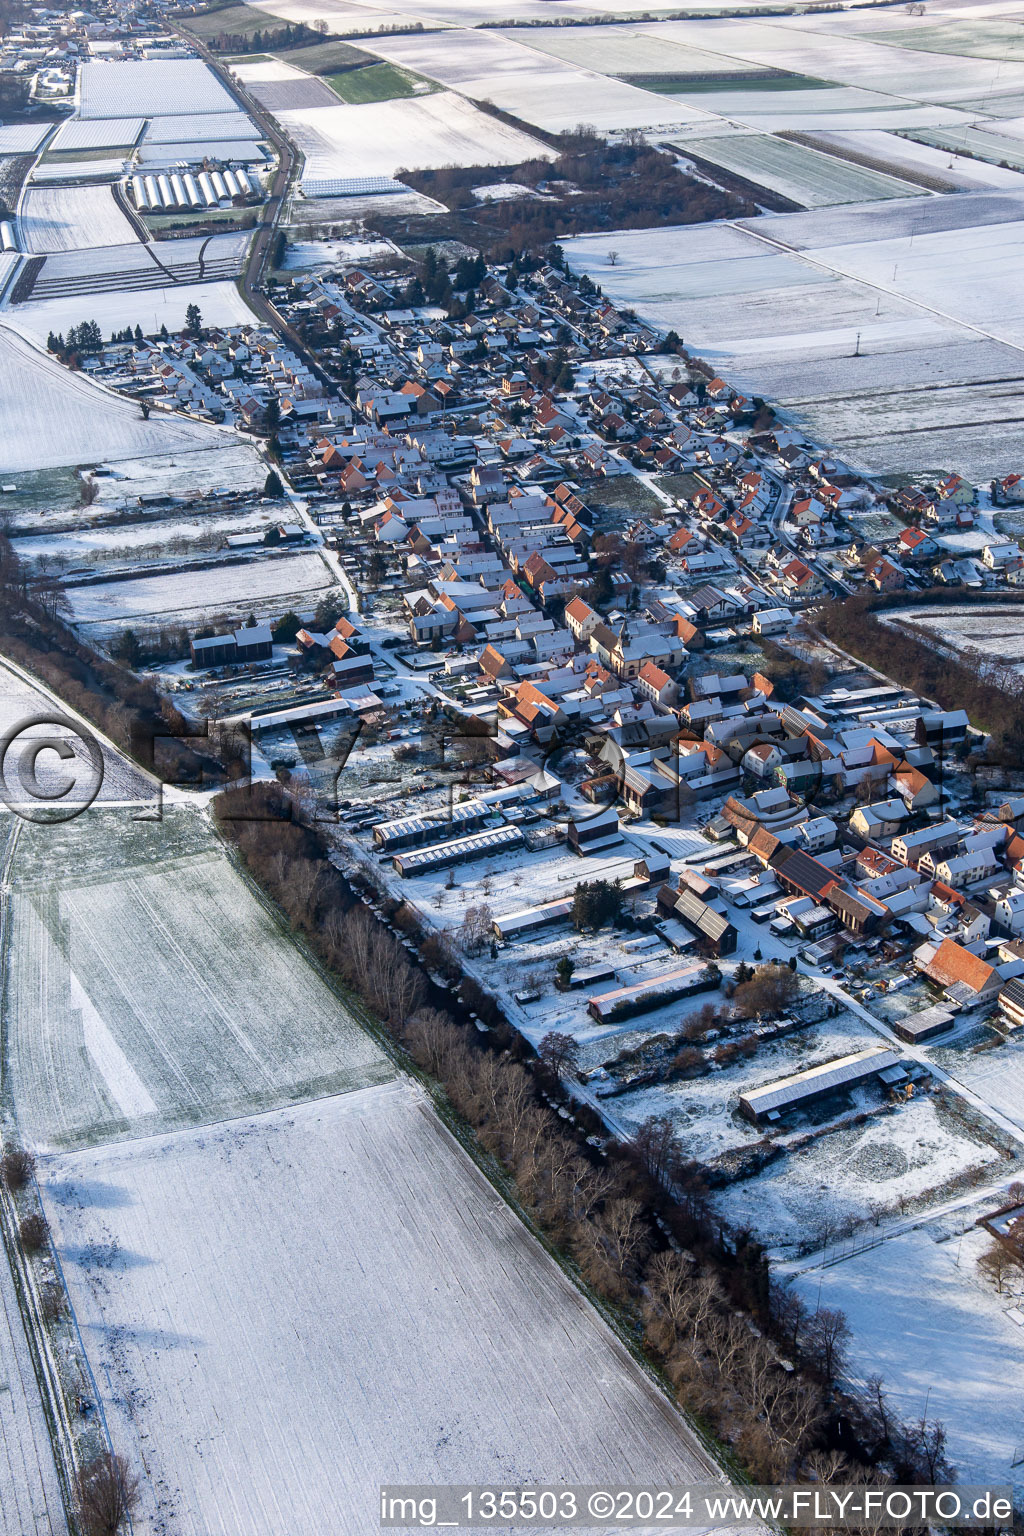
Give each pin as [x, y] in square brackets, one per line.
[149, 988]
[941, 1337]
[220, 589]
[304, 255]
[912, 1154]
[53, 417]
[150, 88]
[417, 133]
[287, 1311]
[71, 219]
[220, 303]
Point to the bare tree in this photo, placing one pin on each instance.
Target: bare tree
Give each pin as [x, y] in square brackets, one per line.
[17, 1167]
[996, 1263]
[559, 1053]
[828, 1334]
[475, 931]
[655, 1145]
[107, 1494]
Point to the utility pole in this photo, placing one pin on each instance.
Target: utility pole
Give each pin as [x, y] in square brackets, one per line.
[856, 350]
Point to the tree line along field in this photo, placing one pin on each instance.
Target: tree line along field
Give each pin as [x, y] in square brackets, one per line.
[150, 988]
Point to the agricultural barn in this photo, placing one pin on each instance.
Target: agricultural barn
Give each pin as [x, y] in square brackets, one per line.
[715, 931]
[481, 845]
[413, 831]
[253, 643]
[595, 834]
[922, 1026]
[788, 1093]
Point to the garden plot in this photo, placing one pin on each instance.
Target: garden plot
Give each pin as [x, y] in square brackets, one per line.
[220, 304]
[804, 175]
[72, 219]
[150, 88]
[532, 86]
[907, 1159]
[209, 125]
[53, 417]
[156, 991]
[704, 1110]
[422, 132]
[97, 133]
[275, 581]
[947, 1344]
[161, 539]
[22, 138]
[939, 166]
[394, 1319]
[994, 632]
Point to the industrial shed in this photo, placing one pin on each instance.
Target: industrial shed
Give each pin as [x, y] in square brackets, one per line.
[645, 995]
[481, 845]
[516, 925]
[788, 1093]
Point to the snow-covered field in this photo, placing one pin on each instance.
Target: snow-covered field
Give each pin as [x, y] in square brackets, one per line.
[996, 632]
[417, 133]
[30, 1497]
[924, 1319]
[220, 303]
[72, 219]
[20, 702]
[53, 417]
[529, 84]
[149, 988]
[391, 1317]
[222, 589]
[957, 170]
[160, 538]
[804, 175]
[150, 88]
[306, 255]
[777, 305]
